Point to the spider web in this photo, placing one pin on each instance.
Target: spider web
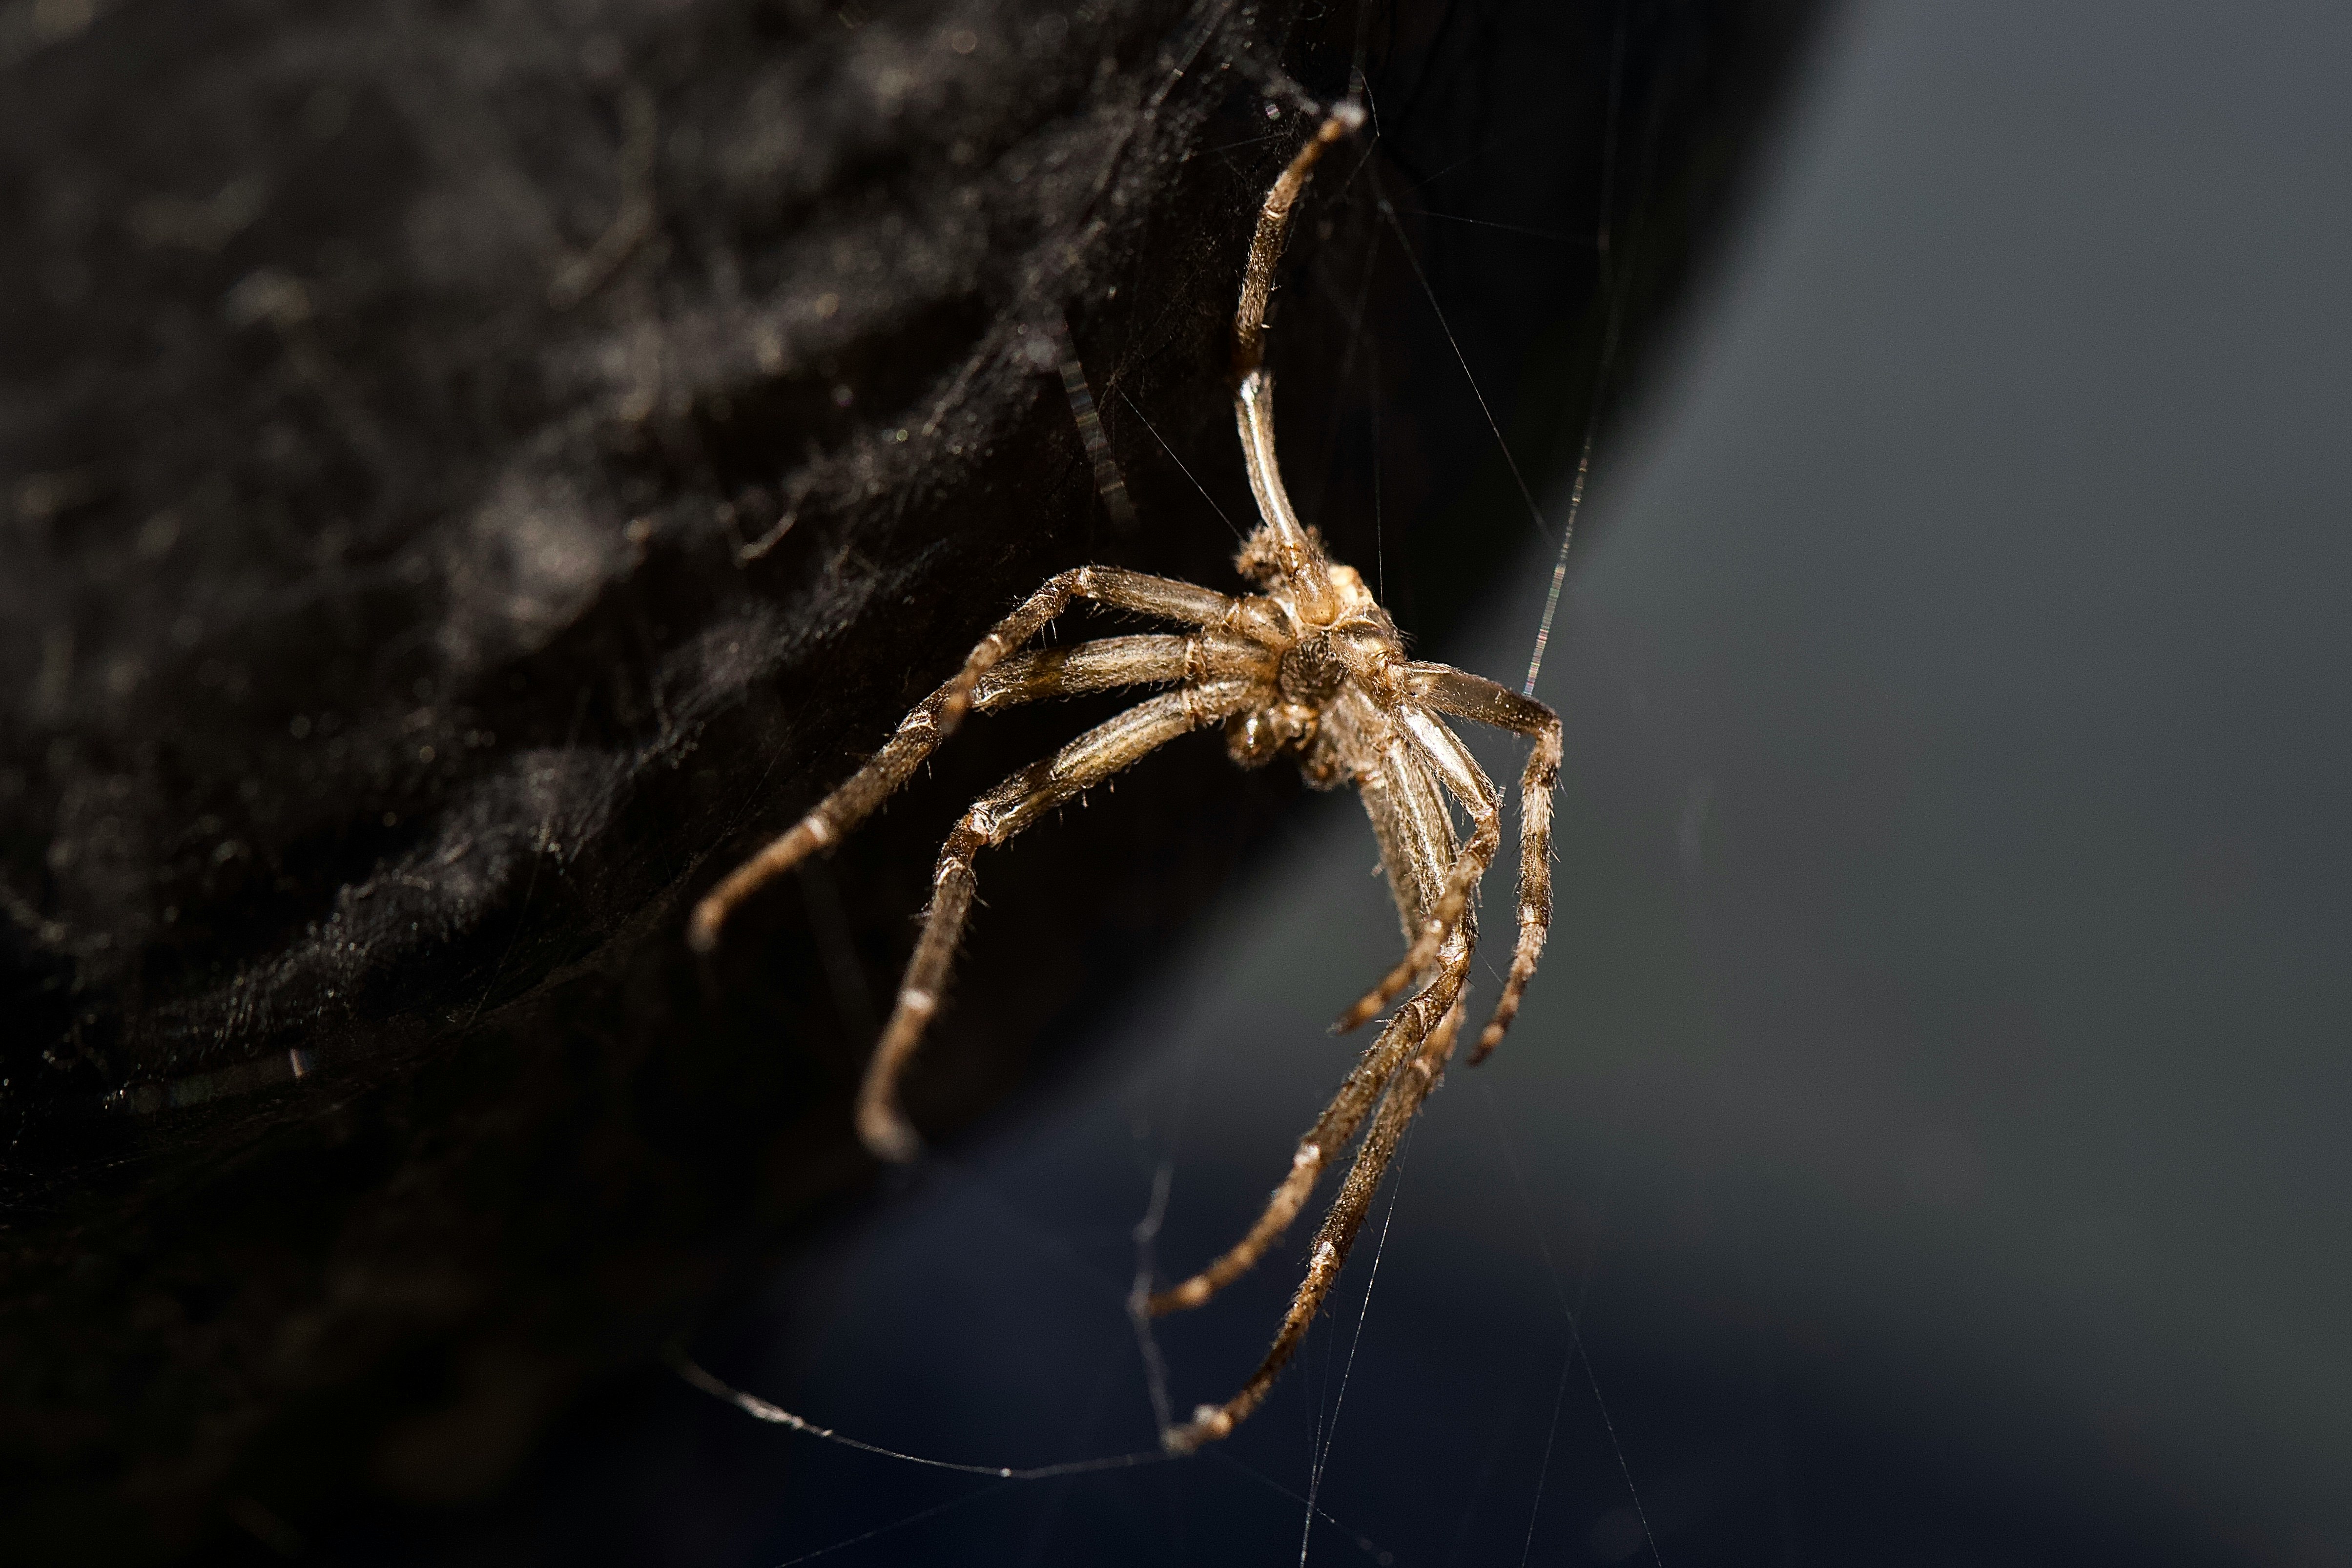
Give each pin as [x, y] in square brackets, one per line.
[1595, 1214]
[1008, 1211]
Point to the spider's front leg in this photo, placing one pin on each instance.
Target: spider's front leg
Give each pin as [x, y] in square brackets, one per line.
[936, 717]
[994, 819]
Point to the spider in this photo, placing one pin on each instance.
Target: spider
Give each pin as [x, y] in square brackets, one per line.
[1309, 665]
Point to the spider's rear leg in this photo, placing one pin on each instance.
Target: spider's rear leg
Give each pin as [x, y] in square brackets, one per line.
[1408, 813]
[1482, 702]
[1346, 1217]
[1331, 1133]
[936, 717]
[1445, 756]
[994, 819]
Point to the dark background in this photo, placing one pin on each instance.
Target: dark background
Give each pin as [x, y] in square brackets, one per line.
[1930, 1110]
[1933, 1103]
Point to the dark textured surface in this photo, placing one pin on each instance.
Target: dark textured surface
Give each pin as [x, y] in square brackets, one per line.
[1932, 1099]
[390, 398]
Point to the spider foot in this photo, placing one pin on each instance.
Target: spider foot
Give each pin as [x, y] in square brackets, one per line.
[1209, 1422]
[888, 1135]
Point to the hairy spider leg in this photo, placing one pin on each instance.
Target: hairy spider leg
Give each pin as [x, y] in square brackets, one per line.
[936, 717]
[1212, 654]
[1333, 1131]
[994, 819]
[1346, 1216]
[1469, 783]
[1432, 876]
[1296, 552]
[1273, 229]
[1405, 807]
[1482, 702]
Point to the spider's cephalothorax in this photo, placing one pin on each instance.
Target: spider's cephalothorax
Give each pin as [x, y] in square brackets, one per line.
[1321, 641]
[1309, 665]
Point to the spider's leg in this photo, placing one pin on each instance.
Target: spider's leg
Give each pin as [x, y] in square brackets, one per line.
[1273, 229]
[1106, 663]
[1300, 559]
[1337, 1235]
[1416, 842]
[994, 818]
[936, 717]
[1331, 1133]
[1449, 903]
[1483, 701]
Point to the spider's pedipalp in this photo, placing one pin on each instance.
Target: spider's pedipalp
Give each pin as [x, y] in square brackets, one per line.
[992, 819]
[1482, 702]
[935, 717]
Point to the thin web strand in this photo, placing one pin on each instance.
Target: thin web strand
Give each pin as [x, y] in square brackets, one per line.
[1358, 340]
[1380, 535]
[1174, 68]
[759, 1409]
[1164, 446]
[1502, 227]
[1573, 1314]
[1543, 1470]
[1331, 1432]
[1604, 246]
[1363, 1543]
[1485, 1477]
[1396, 225]
[896, 1524]
[1147, 1267]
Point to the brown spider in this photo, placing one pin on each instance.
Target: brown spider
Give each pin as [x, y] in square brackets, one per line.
[1309, 665]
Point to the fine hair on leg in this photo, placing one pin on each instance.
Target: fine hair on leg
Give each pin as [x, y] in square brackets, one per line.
[994, 819]
[1307, 663]
[1468, 782]
[935, 717]
[1482, 702]
[1333, 1131]
[1346, 1217]
[1396, 795]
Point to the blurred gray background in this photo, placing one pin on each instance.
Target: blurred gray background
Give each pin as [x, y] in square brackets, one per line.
[1932, 1106]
